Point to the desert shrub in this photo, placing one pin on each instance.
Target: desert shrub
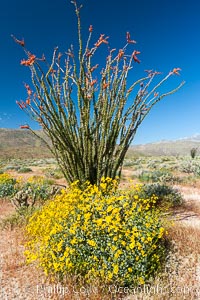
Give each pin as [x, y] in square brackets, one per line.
[153, 163]
[6, 178]
[190, 166]
[144, 175]
[187, 167]
[98, 233]
[7, 185]
[24, 170]
[128, 163]
[169, 178]
[40, 180]
[197, 171]
[166, 158]
[55, 173]
[7, 189]
[11, 167]
[157, 176]
[38, 187]
[166, 195]
[43, 162]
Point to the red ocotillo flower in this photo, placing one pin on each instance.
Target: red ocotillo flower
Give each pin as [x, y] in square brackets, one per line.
[28, 101]
[134, 55]
[24, 126]
[129, 90]
[93, 82]
[28, 89]
[128, 38]
[94, 68]
[176, 71]
[90, 28]
[120, 54]
[30, 61]
[20, 42]
[52, 71]
[88, 53]
[101, 40]
[21, 104]
[105, 85]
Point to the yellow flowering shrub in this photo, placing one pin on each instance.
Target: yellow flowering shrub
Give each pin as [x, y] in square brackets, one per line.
[99, 232]
[36, 179]
[7, 185]
[39, 187]
[6, 178]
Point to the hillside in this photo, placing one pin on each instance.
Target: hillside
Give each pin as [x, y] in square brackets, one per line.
[16, 143]
[177, 147]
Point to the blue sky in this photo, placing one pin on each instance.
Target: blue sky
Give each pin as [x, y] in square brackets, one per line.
[167, 34]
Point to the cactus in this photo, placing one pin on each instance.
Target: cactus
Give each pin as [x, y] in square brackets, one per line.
[24, 199]
[85, 110]
[193, 152]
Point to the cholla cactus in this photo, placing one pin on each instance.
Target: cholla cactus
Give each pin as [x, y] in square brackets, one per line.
[24, 199]
[193, 152]
[84, 109]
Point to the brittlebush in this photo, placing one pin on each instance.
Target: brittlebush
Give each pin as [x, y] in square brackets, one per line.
[8, 185]
[98, 233]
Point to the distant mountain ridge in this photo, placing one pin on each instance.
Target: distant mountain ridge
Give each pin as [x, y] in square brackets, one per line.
[180, 146]
[193, 138]
[18, 143]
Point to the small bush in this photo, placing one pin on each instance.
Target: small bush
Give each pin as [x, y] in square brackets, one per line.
[197, 172]
[128, 163]
[190, 166]
[40, 180]
[54, 173]
[7, 190]
[6, 178]
[103, 233]
[13, 168]
[166, 195]
[157, 176]
[24, 170]
[7, 185]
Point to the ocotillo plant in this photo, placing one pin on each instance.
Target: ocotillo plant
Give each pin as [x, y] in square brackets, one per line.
[84, 109]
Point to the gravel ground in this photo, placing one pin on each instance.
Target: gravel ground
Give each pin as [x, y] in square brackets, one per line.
[17, 280]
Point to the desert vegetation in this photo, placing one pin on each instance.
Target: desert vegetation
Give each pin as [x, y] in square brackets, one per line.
[172, 207]
[94, 218]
